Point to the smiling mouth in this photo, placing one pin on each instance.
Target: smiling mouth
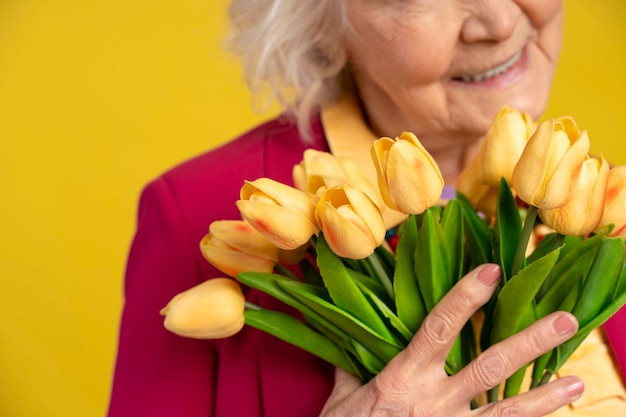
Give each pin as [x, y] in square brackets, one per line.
[490, 73]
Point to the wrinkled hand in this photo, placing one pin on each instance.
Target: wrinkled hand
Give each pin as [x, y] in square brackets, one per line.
[414, 383]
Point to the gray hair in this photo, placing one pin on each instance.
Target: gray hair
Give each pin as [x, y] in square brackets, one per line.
[291, 52]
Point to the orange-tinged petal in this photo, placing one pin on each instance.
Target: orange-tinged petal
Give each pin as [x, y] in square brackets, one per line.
[560, 187]
[284, 227]
[211, 310]
[283, 194]
[548, 170]
[615, 202]
[232, 262]
[242, 237]
[350, 222]
[582, 214]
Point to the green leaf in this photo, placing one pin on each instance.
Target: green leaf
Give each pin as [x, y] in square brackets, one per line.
[452, 225]
[509, 229]
[567, 348]
[297, 333]
[599, 284]
[372, 363]
[268, 283]
[517, 296]
[574, 262]
[372, 284]
[567, 276]
[384, 345]
[409, 304]
[476, 233]
[343, 290]
[395, 323]
[431, 262]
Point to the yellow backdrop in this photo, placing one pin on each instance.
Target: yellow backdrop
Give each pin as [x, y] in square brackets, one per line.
[97, 98]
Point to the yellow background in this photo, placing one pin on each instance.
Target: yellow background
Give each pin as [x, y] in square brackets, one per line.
[98, 97]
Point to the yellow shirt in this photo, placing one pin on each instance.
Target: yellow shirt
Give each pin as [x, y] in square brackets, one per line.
[604, 393]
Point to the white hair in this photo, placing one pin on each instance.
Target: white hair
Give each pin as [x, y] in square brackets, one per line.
[291, 50]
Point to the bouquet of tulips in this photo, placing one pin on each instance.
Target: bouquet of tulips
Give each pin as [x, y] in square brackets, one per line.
[533, 201]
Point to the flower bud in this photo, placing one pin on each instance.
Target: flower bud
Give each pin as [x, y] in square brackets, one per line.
[350, 221]
[615, 202]
[211, 310]
[283, 214]
[503, 145]
[583, 212]
[548, 170]
[408, 177]
[233, 246]
[319, 171]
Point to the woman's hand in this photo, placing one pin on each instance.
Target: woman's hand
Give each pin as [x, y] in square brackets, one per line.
[415, 384]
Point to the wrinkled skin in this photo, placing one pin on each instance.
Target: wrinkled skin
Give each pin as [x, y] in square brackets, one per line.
[414, 383]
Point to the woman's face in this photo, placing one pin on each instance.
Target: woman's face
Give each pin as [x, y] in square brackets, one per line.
[444, 68]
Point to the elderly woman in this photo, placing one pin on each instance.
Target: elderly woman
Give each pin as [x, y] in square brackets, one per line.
[348, 72]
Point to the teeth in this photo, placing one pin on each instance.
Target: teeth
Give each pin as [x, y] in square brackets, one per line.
[492, 72]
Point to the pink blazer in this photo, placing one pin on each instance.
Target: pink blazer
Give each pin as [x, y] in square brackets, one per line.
[159, 374]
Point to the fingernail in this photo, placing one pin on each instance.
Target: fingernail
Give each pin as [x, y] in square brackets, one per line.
[489, 274]
[564, 325]
[575, 389]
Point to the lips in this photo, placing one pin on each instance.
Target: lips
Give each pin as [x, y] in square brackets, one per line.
[492, 72]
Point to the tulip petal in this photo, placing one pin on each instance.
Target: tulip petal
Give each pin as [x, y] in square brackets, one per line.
[211, 310]
[286, 228]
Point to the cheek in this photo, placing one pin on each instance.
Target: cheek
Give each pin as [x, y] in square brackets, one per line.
[541, 12]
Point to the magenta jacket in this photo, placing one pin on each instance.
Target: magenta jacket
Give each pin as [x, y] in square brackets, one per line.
[159, 374]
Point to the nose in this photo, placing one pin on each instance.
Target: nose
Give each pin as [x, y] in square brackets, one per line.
[490, 20]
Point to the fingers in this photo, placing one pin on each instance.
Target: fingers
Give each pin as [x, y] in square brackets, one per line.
[539, 401]
[501, 360]
[430, 346]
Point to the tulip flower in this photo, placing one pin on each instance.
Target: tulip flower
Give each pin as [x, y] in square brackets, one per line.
[503, 145]
[548, 170]
[283, 214]
[583, 212]
[233, 246]
[211, 310]
[350, 221]
[408, 177]
[319, 171]
[615, 202]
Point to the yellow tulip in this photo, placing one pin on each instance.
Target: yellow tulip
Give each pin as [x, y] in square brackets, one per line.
[350, 221]
[615, 202]
[283, 214]
[319, 171]
[503, 145]
[211, 310]
[233, 246]
[548, 170]
[583, 212]
[408, 177]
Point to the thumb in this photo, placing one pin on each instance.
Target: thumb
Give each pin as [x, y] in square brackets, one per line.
[345, 384]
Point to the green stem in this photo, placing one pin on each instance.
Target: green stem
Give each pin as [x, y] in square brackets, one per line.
[284, 271]
[252, 306]
[546, 378]
[520, 254]
[381, 274]
[493, 393]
